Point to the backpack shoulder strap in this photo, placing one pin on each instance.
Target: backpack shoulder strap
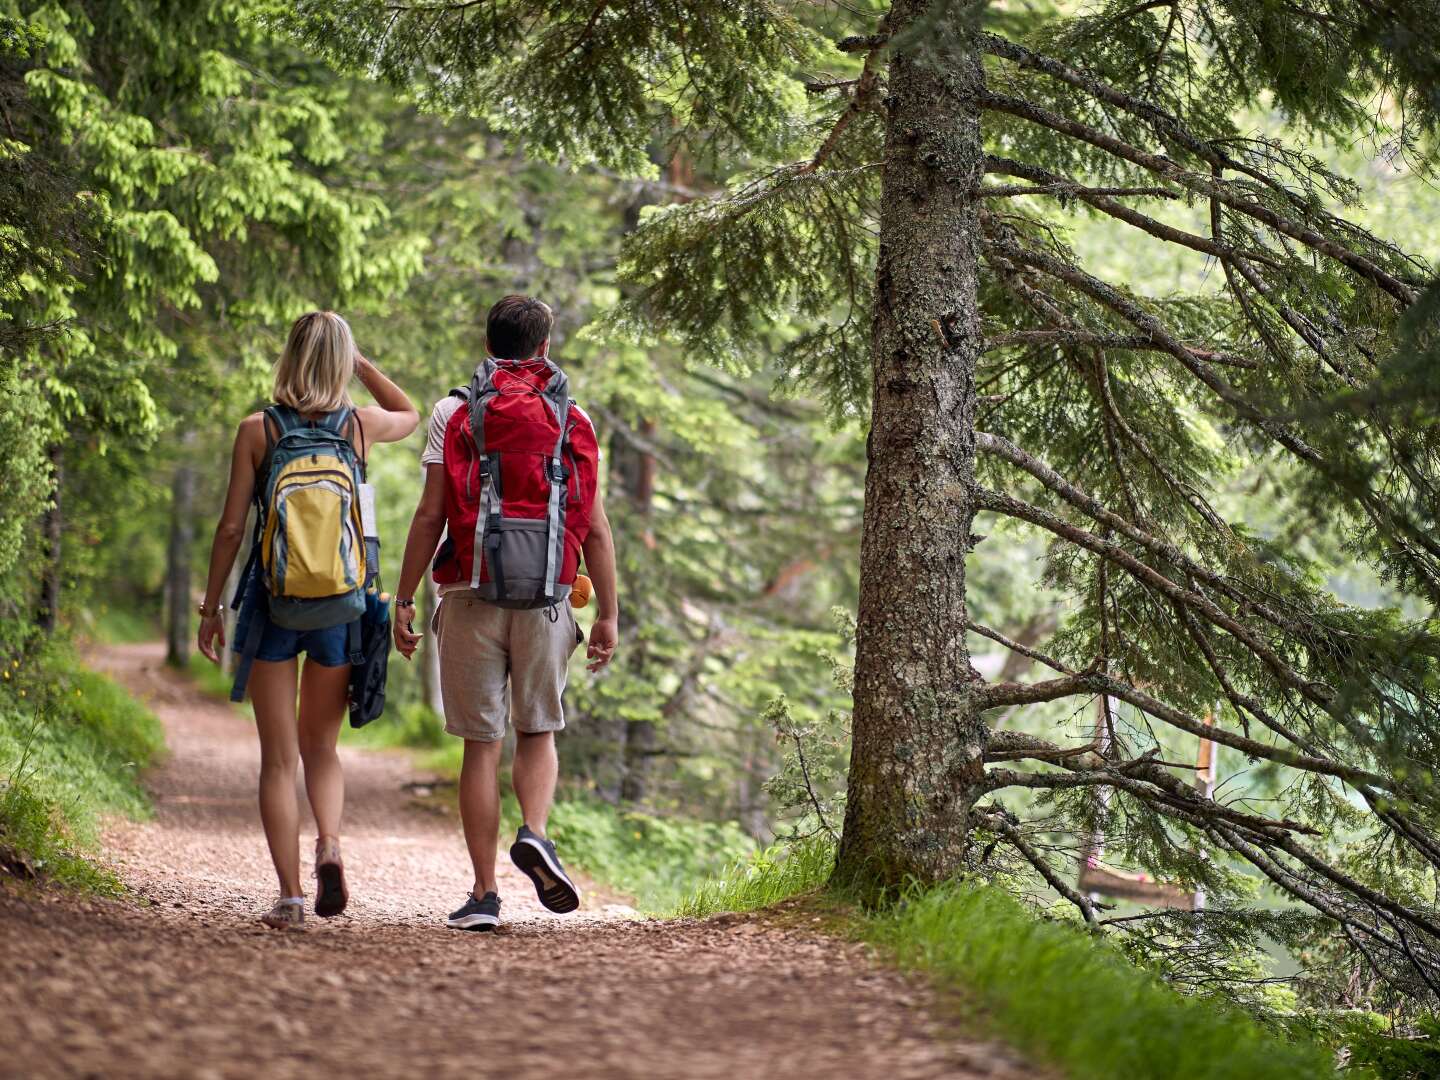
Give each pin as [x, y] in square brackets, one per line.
[284, 419]
[337, 420]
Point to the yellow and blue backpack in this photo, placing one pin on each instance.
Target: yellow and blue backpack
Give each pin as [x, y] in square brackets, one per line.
[312, 538]
[313, 557]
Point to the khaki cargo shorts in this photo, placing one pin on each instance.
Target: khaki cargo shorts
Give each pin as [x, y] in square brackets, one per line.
[495, 661]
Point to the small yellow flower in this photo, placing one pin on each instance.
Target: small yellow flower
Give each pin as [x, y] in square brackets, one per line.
[7, 675]
[22, 691]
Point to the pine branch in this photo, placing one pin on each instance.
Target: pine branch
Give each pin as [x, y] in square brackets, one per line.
[1095, 682]
[1070, 335]
[1092, 507]
[1164, 792]
[1201, 185]
[997, 822]
[1068, 189]
[1133, 313]
[1147, 575]
[1016, 647]
[860, 100]
[1101, 200]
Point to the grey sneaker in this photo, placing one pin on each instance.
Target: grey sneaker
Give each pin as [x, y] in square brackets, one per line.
[285, 915]
[536, 857]
[482, 914]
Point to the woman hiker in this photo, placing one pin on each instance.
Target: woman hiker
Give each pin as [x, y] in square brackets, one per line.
[303, 586]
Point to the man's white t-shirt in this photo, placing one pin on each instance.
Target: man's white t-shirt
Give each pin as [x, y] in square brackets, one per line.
[434, 453]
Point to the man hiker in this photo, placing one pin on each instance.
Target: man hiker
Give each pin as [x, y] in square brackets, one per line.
[511, 469]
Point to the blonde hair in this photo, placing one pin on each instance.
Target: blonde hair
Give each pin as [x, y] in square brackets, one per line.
[315, 368]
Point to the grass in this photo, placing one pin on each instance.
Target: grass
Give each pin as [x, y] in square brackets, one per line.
[211, 680]
[72, 744]
[763, 879]
[1055, 990]
[1049, 987]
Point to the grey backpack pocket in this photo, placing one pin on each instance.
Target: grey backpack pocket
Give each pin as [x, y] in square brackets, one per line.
[515, 555]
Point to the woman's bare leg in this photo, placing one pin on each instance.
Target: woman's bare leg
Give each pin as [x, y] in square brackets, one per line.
[323, 693]
[272, 692]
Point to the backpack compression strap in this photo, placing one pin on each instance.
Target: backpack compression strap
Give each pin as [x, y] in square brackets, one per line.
[557, 396]
[487, 521]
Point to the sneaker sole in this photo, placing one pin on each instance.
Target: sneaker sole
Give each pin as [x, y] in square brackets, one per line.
[555, 891]
[333, 895]
[481, 923]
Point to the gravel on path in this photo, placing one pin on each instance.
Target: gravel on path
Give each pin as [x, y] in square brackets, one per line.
[186, 983]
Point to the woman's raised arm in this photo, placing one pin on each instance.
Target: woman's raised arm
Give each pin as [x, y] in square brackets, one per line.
[392, 417]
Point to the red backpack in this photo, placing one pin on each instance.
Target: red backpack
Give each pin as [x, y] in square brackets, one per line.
[520, 473]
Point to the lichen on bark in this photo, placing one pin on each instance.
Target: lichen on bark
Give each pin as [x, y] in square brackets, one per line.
[918, 738]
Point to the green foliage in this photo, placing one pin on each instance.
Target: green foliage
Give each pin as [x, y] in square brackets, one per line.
[1372, 1044]
[765, 878]
[175, 185]
[1075, 1000]
[72, 744]
[578, 79]
[657, 860]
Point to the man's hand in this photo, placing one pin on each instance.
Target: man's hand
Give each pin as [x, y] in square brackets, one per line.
[406, 640]
[603, 636]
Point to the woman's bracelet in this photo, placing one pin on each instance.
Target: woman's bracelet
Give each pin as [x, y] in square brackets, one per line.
[207, 612]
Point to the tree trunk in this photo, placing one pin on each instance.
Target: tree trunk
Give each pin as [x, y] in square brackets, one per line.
[918, 737]
[52, 525]
[634, 469]
[177, 568]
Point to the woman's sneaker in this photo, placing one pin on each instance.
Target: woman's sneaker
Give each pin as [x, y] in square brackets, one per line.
[332, 894]
[536, 857]
[482, 914]
[285, 915]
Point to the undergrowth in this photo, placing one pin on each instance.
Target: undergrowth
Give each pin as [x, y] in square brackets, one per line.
[765, 878]
[72, 744]
[1075, 1000]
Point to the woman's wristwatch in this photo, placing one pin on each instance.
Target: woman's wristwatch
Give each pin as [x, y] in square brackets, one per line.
[207, 612]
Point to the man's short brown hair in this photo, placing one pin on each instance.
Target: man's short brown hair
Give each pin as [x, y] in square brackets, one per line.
[516, 326]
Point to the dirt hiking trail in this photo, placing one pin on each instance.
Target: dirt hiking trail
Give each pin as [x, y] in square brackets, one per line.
[180, 980]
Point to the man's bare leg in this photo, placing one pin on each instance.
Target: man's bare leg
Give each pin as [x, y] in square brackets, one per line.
[534, 773]
[480, 809]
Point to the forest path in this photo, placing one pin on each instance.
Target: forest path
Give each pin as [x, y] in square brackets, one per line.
[191, 985]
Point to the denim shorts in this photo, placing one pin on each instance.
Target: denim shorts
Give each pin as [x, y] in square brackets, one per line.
[329, 647]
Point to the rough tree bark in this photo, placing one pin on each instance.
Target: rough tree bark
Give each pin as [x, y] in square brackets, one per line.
[918, 739]
[177, 562]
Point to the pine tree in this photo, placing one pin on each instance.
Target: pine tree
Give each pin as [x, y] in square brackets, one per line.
[913, 168]
[164, 163]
